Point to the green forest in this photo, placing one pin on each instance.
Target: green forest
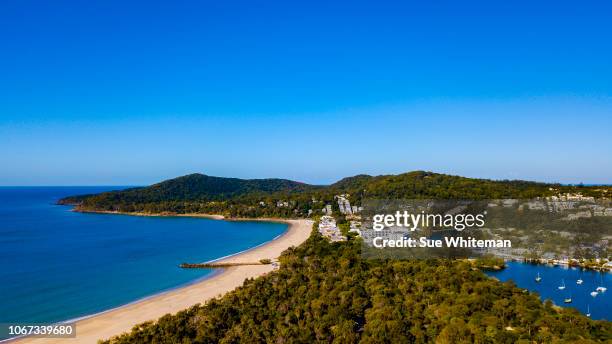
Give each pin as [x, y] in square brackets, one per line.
[325, 292]
[233, 197]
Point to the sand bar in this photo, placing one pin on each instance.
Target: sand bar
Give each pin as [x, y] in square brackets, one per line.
[122, 319]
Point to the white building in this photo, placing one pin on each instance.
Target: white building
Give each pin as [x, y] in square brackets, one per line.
[328, 229]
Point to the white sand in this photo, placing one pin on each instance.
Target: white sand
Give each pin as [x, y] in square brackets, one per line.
[122, 319]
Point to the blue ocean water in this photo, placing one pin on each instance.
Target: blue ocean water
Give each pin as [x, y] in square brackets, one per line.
[56, 264]
[524, 276]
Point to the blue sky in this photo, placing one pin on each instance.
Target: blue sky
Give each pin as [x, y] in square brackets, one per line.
[114, 93]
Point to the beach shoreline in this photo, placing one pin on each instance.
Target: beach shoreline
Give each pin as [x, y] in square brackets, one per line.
[118, 320]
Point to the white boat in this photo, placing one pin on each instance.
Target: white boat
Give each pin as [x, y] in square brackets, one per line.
[594, 293]
[579, 281]
[601, 288]
[588, 313]
[567, 300]
[538, 279]
[562, 286]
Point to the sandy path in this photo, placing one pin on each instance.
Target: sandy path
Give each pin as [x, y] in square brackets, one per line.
[119, 320]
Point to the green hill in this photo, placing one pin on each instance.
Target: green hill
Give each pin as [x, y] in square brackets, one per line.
[199, 193]
[420, 184]
[192, 187]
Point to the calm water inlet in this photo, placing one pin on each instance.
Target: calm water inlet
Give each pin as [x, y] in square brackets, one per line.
[524, 275]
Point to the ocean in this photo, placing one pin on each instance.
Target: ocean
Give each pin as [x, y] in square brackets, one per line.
[56, 264]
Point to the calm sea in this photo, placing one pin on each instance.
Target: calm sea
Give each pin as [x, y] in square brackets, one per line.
[524, 276]
[56, 264]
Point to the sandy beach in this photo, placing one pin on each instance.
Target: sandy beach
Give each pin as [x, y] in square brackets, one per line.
[122, 319]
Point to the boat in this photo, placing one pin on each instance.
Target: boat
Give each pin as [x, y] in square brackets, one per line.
[538, 279]
[562, 286]
[594, 293]
[588, 313]
[568, 300]
[601, 288]
[579, 281]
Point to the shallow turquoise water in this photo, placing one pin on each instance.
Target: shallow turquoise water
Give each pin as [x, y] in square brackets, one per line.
[56, 264]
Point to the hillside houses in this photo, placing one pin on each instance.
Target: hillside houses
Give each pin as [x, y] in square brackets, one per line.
[329, 229]
[327, 210]
[577, 205]
[345, 206]
[281, 204]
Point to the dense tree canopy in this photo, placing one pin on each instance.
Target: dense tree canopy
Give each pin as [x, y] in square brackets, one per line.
[325, 292]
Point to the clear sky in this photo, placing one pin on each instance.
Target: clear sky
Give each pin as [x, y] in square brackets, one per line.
[111, 93]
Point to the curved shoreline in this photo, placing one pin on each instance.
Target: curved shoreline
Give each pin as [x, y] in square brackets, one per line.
[206, 216]
[112, 322]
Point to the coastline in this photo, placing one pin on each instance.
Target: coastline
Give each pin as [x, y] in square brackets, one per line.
[206, 216]
[572, 263]
[90, 329]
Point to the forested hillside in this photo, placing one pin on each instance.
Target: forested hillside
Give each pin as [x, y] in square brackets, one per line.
[198, 193]
[326, 292]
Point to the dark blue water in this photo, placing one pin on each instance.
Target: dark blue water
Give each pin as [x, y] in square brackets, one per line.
[524, 276]
[56, 264]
